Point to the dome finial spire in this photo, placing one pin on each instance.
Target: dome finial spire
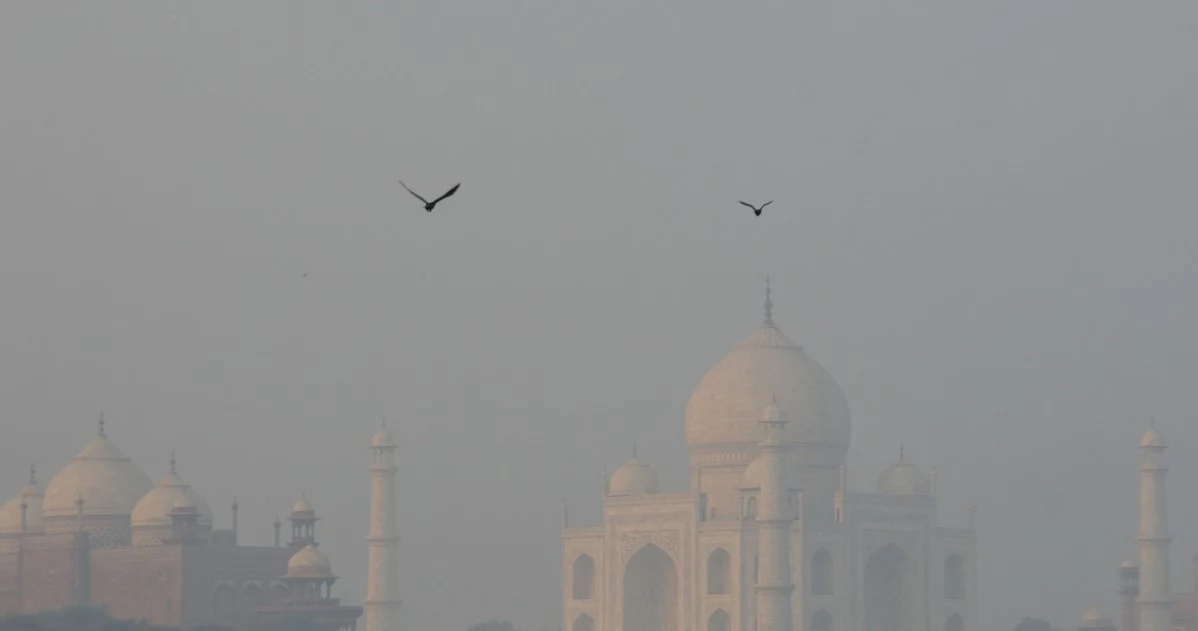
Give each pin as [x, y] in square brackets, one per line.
[172, 461]
[33, 473]
[634, 451]
[769, 304]
[901, 450]
[101, 424]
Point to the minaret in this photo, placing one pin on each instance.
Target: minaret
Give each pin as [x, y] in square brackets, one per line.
[774, 516]
[382, 584]
[1155, 602]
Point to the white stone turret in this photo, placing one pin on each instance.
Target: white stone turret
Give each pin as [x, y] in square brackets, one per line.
[382, 585]
[774, 516]
[1155, 602]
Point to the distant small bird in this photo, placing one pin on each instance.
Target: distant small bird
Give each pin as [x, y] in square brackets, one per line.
[757, 210]
[427, 204]
[305, 274]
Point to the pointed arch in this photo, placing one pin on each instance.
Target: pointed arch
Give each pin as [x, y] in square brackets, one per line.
[583, 623]
[751, 508]
[719, 621]
[954, 623]
[650, 591]
[583, 585]
[251, 598]
[821, 621]
[719, 572]
[821, 573]
[954, 577]
[224, 603]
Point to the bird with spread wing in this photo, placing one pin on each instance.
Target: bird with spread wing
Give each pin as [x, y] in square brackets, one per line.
[757, 209]
[427, 204]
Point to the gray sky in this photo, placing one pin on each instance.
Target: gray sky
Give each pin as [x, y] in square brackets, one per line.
[985, 230]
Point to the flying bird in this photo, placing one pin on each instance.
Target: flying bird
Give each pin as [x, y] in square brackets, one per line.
[757, 209]
[427, 204]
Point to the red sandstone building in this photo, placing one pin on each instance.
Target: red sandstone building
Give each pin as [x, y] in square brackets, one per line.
[104, 535]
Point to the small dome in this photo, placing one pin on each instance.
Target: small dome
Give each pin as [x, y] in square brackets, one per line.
[1152, 438]
[633, 478]
[1128, 564]
[155, 508]
[903, 478]
[1094, 617]
[755, 475]
[382, 439]
[109, 483]
[182, 504]
[303, 506]
[309, 563]
[10, 513]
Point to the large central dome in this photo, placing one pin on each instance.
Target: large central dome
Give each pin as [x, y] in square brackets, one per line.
[726, 406]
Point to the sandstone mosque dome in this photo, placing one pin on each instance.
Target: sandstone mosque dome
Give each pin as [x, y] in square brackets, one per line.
[633, 478]
[10, 514]
[302, 507]
[309, 562]
[102, 476]
[154, 509]
[767, 368]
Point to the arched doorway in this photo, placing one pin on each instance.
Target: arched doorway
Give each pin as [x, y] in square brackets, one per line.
[954, 623]
[224, 605]
[885, 575]
[584, 623]
[719, 571]
[821, 621]
[650, 591]
[584, 578]
[251, 599]
[719, 621]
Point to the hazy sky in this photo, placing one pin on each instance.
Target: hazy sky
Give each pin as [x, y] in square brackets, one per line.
[985, 229]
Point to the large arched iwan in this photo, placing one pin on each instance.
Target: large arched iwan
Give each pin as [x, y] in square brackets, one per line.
[886, 577]
[821, 573]
[954, 577]
[650, 591]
